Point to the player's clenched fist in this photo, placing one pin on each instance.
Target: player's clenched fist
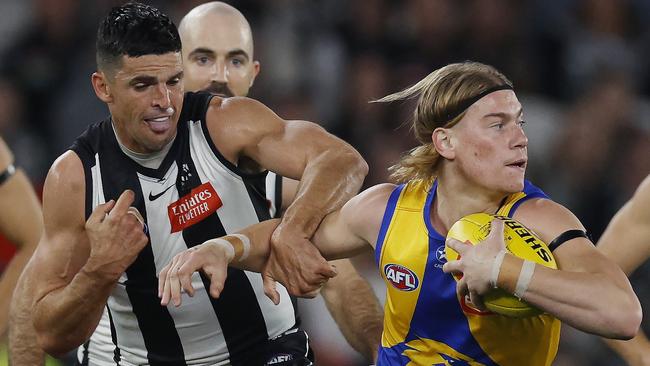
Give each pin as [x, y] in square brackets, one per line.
[116, 235]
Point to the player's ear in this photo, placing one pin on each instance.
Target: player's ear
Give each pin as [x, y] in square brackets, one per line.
[442, 139]
[101, 86]
[256, 70]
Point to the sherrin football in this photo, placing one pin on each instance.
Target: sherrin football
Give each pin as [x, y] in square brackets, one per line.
[520, 241]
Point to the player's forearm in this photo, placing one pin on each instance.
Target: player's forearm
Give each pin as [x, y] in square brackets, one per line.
[635, 352]
[328, 181]
[355, 309]
[259, 236]
[66, 317]
[23, 347]
[602, 303]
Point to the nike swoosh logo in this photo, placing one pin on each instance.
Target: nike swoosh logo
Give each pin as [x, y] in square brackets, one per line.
[153, 197]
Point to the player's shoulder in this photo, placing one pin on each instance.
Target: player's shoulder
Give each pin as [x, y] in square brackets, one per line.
[373, 199]
[235, 108]
[67, 171]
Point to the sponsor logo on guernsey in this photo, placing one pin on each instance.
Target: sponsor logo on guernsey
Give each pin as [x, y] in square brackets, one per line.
[200, 203]
[283, 357]
[401, 277]
[441, 257]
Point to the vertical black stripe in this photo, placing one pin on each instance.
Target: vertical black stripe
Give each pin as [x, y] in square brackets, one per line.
[237, 309]
[259, 200]
[156, 324]
[278, 196]
[117, 356]
[256, 188]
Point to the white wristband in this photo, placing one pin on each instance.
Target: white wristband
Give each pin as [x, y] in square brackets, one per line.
[496, 268]
[230, 249]
[246, 243]
[525, 276]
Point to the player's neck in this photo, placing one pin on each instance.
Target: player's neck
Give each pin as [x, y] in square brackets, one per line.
[151, 160]
[456, 199]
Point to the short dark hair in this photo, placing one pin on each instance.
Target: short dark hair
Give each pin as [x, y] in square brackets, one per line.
[134, 29]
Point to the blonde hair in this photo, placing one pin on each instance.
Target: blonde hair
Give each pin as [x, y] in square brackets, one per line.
[441, 92]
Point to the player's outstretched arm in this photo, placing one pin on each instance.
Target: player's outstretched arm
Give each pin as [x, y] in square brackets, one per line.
[343, 233]
[627, 242]
[330, 173]
[78, 262]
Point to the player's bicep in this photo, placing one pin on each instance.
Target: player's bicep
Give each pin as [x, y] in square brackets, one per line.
[64, 246]
[355, 227]
[335, 237]
[549, 220]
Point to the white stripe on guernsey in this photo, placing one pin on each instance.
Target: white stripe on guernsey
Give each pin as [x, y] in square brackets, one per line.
[270, 191]
[196, 323]
[237, 213]
[98, 187]
[100, 348]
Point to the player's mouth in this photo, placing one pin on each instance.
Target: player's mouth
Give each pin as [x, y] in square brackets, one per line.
[519, 164]
[160, 123]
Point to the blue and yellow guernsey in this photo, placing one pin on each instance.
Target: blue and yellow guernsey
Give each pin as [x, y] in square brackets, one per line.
[425, 323]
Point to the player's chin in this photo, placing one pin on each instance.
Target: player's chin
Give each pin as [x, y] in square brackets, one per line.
[513, 184]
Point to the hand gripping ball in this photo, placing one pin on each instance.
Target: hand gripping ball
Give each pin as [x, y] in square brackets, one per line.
[519, 240]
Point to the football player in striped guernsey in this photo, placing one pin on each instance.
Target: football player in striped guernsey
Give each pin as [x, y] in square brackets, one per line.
[218, 58]
[158, 176]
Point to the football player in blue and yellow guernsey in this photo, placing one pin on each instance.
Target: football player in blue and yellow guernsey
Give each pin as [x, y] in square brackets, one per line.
[472, 158]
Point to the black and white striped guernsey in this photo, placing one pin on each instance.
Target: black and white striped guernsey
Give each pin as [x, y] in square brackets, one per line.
[195, 195]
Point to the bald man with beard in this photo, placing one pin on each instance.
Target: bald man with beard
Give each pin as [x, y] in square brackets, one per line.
[218, 56]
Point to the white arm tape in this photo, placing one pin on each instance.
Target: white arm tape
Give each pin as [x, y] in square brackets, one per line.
[525, 276]
[226, 245]
[496, 268]
[247, 245]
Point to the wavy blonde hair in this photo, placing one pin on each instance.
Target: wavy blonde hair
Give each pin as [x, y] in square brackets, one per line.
[440, 92]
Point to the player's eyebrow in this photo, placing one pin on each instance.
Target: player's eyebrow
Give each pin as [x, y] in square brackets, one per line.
[504, 115]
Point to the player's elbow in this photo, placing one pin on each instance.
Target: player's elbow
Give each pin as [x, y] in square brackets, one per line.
[354, 161]
[624, 322]
[54, 345]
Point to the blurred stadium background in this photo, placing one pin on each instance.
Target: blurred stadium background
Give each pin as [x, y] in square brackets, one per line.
[580, 68]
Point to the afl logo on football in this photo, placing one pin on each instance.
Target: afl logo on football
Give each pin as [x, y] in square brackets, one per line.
[401, 277]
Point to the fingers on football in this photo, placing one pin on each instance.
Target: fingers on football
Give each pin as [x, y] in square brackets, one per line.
[477, 300]
[452, 267]
[457, 245]
[461, 288]
[496, 230]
